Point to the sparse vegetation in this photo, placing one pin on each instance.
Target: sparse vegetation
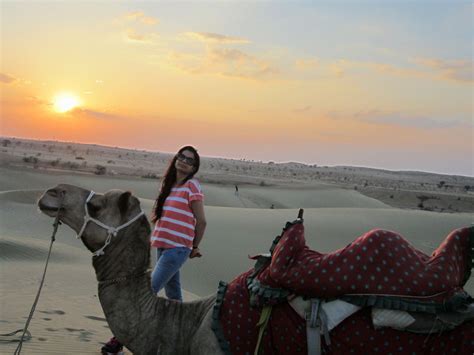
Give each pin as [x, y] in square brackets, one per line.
[55, 162]
[150, 176]
[31, 159]
[100, 170]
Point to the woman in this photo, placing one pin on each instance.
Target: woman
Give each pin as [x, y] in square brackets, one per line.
[179, 222]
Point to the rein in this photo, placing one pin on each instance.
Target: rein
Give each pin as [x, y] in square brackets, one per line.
[56, 224]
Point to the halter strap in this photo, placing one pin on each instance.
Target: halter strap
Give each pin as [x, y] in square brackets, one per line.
[111, 231]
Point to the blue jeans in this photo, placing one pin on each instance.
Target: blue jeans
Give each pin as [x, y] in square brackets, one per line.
[166, 272]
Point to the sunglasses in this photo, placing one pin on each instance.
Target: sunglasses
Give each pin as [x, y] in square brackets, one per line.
[187, 160]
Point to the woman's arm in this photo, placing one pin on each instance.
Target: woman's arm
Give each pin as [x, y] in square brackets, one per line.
[198, 210]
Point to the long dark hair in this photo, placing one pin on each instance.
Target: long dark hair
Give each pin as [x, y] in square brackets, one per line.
[169, 179]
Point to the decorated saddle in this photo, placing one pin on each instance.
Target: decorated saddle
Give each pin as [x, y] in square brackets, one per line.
[379, 269]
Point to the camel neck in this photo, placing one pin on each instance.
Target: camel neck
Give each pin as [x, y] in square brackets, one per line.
[136, 316]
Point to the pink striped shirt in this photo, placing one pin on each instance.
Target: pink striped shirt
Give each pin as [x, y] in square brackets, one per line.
[176, 226]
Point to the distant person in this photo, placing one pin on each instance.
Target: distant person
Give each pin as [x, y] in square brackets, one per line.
[272, 206]
[236, 190]
[180, 223]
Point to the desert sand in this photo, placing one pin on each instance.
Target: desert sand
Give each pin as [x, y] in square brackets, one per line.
[340, 204]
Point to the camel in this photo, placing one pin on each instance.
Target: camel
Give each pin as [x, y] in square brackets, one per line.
[145, 323]
[113, 227]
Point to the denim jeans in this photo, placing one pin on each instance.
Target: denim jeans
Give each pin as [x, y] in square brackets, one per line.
[166, 272]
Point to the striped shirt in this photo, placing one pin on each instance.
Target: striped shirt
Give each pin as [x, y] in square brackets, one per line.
[176, 226]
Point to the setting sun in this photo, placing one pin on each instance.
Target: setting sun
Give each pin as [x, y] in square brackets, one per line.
[65, 102]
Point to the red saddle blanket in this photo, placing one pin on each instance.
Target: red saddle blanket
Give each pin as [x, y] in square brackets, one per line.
[380, 263]
[235, 325]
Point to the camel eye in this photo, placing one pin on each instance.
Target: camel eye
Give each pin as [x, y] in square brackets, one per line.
[93, 209]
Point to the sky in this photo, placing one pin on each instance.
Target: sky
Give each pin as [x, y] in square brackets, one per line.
[384, 84]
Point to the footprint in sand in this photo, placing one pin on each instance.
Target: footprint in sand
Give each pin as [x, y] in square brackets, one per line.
[42, 339]
[46, 319]
[72, 330]
[102, 319]
[54, 311]
[85, 336]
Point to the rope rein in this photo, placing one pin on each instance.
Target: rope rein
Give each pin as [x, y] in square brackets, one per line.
[26, 335]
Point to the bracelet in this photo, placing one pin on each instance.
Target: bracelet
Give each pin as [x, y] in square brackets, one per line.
[194, 247]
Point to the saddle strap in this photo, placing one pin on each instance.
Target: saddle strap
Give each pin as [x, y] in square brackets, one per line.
[313, 330]
[316, 319]
[262, 324]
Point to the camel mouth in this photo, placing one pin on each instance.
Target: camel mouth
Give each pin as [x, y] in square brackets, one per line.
[45, 208]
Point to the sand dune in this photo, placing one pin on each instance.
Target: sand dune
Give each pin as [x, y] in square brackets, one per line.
[69, 318]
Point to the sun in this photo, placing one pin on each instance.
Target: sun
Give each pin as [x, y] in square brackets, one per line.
[65, 102]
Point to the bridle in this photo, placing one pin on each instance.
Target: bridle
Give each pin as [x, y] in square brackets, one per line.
[111, 231]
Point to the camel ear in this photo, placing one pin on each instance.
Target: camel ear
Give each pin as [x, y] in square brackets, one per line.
[123, 202]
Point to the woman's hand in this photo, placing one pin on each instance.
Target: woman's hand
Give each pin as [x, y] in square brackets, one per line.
[195, 253]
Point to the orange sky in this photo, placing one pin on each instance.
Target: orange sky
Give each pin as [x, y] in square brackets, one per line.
[376, 88]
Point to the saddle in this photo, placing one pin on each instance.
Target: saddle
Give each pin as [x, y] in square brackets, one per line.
[379, 269]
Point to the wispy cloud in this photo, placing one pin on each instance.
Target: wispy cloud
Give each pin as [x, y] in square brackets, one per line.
[457, 70]
[339, 67]
[225, 62]
[306, 64]
[101, 115]
[132, 35]
[460, 71]
[302, 109]
[6, 79]
[209, 37]
[139, 16]
[412, 121]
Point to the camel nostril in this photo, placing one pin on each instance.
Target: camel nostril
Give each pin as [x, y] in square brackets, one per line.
[52, 192]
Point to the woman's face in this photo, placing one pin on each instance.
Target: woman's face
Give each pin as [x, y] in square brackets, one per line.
[185, 162]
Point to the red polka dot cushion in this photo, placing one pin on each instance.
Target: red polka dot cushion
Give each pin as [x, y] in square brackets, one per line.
[379, 267]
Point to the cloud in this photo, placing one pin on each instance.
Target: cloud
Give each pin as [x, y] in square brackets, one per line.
[338, 68]
[6, 79]
[133, 36]
[225, 62]
[139, 16]
[302, 109]
[306, 64]
[209, 37]
[101, 115]
[433, 69]
[457, 70]
[414, 121]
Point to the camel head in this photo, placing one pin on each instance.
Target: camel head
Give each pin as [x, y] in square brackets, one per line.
[112, 209]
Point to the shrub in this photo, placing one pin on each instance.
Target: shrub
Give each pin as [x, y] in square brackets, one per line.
[31, 159]
[100, 170]
[71, 165]
[150, 176]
